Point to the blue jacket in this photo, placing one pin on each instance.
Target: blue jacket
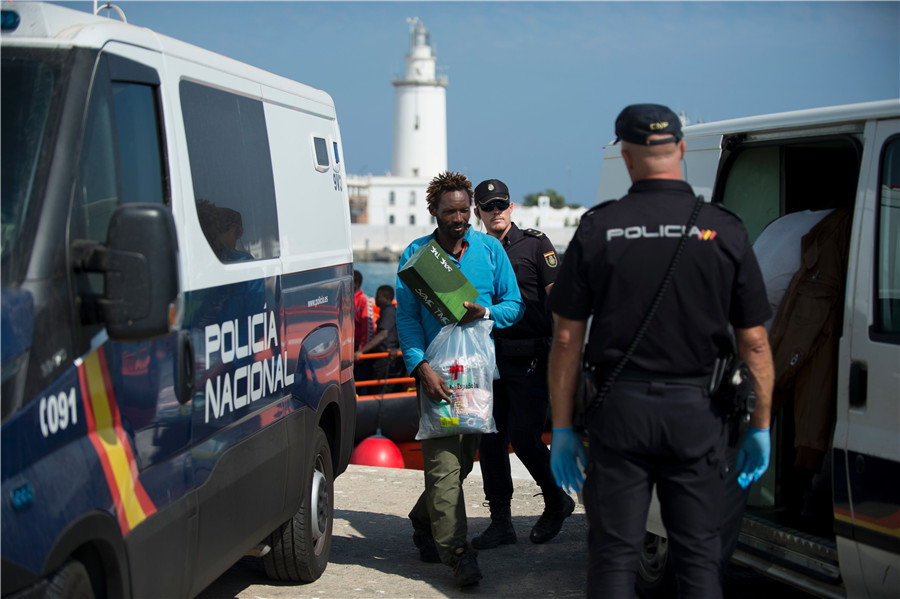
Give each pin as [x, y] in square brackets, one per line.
[485, 264]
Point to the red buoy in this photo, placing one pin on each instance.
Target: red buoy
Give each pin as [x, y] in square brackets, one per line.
[377, 450]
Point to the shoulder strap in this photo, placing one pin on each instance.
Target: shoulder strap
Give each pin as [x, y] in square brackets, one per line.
[645, 324]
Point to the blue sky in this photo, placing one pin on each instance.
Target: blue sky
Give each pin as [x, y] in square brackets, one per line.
[535, 86]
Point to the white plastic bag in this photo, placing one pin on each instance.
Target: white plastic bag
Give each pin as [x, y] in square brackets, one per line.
[462, 355]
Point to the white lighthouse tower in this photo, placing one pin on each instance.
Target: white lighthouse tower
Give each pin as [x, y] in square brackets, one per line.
[420, 111]
[387, 211]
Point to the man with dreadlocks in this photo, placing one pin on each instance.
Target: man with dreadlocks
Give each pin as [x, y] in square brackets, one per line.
[439, 516]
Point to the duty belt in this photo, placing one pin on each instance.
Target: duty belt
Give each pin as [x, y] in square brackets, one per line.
[528, 346]
[630, 374]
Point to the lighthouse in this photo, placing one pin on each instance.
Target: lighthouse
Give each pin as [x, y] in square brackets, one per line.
[420, 111]
[387, 211]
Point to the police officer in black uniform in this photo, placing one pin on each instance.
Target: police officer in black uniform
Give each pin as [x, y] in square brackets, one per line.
[520, 396]
[657, 425]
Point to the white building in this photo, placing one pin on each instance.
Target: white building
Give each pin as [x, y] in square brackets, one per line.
[389, 211]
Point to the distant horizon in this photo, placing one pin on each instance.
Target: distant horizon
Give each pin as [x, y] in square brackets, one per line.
[534, 87]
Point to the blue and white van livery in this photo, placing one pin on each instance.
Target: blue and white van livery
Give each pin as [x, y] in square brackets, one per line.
[177, 324]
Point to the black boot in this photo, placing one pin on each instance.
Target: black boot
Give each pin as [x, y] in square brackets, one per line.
[557, 507]
[424, 542]
[466, 571]
[499, 532]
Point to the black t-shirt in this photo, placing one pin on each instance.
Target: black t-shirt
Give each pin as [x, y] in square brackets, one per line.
[618, 258]
[387, 321]
[535, 263]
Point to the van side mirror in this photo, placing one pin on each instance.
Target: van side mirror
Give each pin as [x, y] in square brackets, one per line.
[142, 279]
[140, 267]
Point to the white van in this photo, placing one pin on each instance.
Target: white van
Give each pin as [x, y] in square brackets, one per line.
[177, 387]
[763, 168]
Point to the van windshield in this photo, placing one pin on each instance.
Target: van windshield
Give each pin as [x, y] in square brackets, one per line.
[32, 82]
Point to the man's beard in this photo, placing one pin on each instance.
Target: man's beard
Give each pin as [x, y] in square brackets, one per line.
[448, 231]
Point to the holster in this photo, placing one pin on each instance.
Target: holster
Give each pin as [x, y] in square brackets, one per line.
[732, 388]
[586, 399]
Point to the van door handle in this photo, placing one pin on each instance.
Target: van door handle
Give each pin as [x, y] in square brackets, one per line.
[185, 367]
[859, 383]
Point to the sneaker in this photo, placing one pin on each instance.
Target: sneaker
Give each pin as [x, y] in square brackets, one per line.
[499, 532]
[427, 549]
[466, 572]
[550, 522]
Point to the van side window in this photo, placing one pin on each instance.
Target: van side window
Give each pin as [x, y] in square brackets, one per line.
[231, 170]
[321, 150]
[140, 148]
[121, 159]
[97, 191]
[887, 276]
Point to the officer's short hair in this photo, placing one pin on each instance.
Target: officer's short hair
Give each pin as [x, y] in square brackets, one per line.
[447, 181]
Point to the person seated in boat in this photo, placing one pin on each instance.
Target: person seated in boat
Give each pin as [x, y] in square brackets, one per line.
[385, 340]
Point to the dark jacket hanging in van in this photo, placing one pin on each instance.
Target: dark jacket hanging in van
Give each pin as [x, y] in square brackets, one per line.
[805, 336]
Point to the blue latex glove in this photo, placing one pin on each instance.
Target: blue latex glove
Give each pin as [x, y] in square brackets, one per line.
[753, 456]
[566, 450]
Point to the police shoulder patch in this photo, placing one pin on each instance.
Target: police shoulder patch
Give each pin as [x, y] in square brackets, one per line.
[551, 259]
[533, 232]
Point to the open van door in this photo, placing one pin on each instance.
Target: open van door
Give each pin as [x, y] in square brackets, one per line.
[866, 441]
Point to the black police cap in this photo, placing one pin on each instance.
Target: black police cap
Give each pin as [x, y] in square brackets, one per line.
[489, 190]
[636, 123]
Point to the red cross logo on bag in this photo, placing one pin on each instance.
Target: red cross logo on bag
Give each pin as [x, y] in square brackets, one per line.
[456, 369]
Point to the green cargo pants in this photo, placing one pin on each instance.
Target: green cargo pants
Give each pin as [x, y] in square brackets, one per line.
[441, 507]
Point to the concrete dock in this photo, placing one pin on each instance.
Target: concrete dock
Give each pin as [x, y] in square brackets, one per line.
[372, 554]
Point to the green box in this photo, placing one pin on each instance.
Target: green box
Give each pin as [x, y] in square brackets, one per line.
[441, 287]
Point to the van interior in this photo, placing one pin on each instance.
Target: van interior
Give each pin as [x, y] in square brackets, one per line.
[762, 182]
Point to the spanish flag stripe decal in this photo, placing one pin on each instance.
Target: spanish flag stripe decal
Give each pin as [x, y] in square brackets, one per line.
[132, 504]
[98, 446]
[887, 526]
[139, 493]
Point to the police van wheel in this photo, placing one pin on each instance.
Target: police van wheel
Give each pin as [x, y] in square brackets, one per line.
[656, 576]
[71, 582]
[300, 547]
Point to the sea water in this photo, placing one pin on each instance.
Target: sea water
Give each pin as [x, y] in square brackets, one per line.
[376, 274]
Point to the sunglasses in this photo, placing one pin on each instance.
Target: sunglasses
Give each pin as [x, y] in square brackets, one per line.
[494, 205]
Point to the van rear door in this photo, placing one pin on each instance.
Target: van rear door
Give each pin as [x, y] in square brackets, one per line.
[867, 436]
[700, 163]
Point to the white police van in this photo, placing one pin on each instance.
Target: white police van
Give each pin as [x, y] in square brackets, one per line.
[177, 330]
[763, 168]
